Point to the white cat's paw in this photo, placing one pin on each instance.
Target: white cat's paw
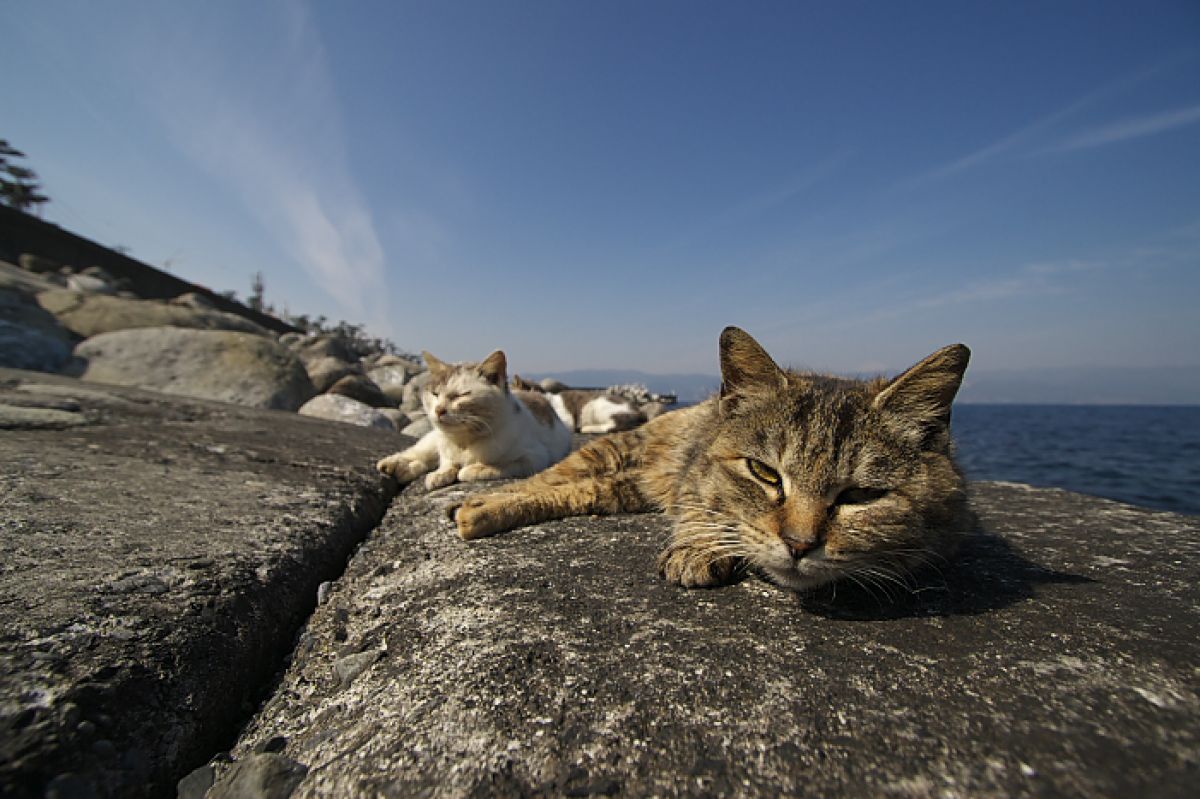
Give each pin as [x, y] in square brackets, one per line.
[400, 467]
[441, 478]
[479, 471]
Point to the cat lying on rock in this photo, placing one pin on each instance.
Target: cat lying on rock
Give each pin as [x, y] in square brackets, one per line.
[589, 410]
[481, 429]
[805, 478]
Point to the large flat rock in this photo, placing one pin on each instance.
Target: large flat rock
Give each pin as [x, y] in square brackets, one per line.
[1056, 657]
[157, 555]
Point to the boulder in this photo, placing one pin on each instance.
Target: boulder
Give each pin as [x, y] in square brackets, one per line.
[399, 418]
[192, 299]
[337, 408]
[241, 368]
[24, 347]
[387, 359]
[363, 389]
[92, 314]
[38, 264]
[291, 340]
[418, 425]
[156, 562]
[327, 370]
[410, 398]
[1055, 657]
[30, 337]
[313, 348]
[89, 285]
[392, 377]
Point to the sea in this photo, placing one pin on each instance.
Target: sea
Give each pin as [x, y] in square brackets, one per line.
[1143, 455]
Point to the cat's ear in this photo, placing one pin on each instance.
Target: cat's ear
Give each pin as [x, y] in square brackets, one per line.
[745, 366]
[924, 393]
[494, 368]
[436, 366]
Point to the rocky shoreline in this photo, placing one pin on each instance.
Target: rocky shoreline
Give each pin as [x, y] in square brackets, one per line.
[202, 595]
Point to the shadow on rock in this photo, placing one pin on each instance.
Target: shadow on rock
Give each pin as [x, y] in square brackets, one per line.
[988, 574]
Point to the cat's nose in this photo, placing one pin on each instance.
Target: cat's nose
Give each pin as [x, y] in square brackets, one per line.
[801, 548]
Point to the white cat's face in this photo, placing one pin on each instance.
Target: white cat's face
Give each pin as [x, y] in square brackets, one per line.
[465, 401]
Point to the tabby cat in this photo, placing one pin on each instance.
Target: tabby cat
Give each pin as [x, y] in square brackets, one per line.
[481, 429]
[804, 478]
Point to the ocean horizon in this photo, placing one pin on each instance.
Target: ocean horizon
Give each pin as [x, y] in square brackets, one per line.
[1146, 455]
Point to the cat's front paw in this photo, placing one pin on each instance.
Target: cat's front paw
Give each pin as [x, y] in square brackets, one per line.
[400, 467]
[695, 567]
[480, 516]
[479, 471]
[441, 478]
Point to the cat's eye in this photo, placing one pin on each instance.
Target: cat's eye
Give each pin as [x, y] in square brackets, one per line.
[763, 473]
[859, 495]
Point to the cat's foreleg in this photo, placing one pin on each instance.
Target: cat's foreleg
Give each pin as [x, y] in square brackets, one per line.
[413, 462]
[602, 477]
[535, 501]
[701, 554]
[485, 471]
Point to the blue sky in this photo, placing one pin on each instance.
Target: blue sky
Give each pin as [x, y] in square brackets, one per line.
[608, 184]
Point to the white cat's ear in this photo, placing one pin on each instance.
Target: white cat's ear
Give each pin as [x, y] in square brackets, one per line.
[436, 366]
[924, 393]
[745, 365]
[495, 368]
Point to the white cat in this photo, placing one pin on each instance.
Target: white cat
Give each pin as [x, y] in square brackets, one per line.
[588, 410]
[481, 430]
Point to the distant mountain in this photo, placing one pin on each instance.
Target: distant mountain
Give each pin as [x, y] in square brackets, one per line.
[1082, 385]
[688, 387]
[1085, 385]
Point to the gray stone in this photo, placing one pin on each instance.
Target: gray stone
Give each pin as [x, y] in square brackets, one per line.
[260, 776]
[1055, 657]
[30, 346]
[349, 667]
[30, 336]
[191, 299]
[398, 418]
[89, 284]
[337, 408]
[37, 264]
[92, 314]
[17, 417]
[196, 783]
[419, 426]
[392, 378]
[363, 389]
[327, 370]
[241, 368]
[291, 340]
[314, 348]
[32, 283]
[155, 566]
[410, 399]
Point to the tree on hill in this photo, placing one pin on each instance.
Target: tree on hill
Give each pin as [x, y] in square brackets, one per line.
[18, 185]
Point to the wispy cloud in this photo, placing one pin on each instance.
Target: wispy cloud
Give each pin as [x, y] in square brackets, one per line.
[1045, 135]
[272, 135]
[1134, 128]
[1035, 279]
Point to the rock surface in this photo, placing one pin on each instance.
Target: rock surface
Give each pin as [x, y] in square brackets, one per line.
[156, 559]
[392, 376]
[363, 389]
[89, 314]
[327, 370]
[30, 336]
[157, 555]
[337, 408]
[228, 366]
[1056, 657]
